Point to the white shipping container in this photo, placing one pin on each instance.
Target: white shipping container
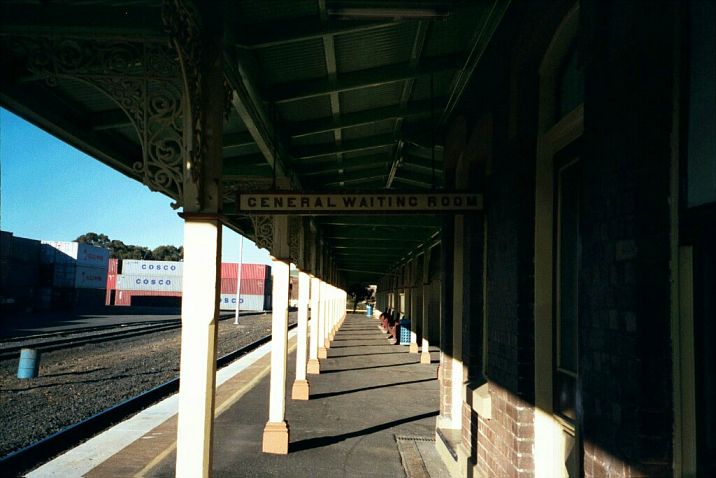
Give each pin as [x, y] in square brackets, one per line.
[62, 252]
[149, 282]
[156, 268]
[248, 302]
[90, 277]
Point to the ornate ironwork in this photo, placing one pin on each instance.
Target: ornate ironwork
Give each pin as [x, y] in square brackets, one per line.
[295, 238]
[263, 231]
[197, 47]
[143, 78]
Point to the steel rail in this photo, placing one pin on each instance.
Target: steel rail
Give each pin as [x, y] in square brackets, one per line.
[20, 461]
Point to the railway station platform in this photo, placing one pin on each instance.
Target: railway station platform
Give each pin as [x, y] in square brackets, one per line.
[371, 412]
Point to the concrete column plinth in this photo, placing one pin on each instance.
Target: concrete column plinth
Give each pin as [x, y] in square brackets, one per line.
[327, 344]
[425, 357]
[300, 390]
[313, 367]
[414, 348]
[276, 438]
[322, 353]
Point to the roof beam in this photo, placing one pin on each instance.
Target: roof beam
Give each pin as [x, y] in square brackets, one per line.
[357, 179]
[111, 119]
[364, 144]
[479, 45]
[418, 221]
[360, 118]
[329, 49]
[414, 182]
[250, 107]
[417, 50]
[352, 168]
[298, 90]
[300, 29]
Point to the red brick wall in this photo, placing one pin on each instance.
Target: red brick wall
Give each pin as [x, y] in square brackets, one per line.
[505, 442]
[445, 376]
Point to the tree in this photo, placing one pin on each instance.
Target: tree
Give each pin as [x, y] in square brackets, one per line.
[168, 253]
[94, 239]
[120, 250]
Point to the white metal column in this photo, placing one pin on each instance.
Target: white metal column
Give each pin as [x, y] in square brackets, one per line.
[200, 312]
[300, 390]
[314, 366]
[275, 439]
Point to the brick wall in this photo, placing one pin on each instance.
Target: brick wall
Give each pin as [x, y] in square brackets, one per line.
[505, 442]
[625, 353]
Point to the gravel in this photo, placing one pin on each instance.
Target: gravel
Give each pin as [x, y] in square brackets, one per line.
[77, 383]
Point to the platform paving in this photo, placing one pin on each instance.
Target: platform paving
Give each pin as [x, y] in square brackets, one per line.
[367, 393]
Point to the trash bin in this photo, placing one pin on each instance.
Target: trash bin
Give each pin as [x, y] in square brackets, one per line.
[29, 363]
[405, 332]
[369, 310]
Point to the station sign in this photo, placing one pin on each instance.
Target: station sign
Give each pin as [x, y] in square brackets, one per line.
[362, 203]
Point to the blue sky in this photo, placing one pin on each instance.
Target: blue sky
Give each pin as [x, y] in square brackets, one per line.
[49, 190]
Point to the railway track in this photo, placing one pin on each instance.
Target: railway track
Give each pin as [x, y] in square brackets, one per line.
[20, 461]
[48, 342]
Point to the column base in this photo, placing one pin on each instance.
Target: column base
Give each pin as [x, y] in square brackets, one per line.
[275, 438]
[322, 353]
[313, 367]
[414, 348]
[425, 357]
[327, 344]
[300, 390]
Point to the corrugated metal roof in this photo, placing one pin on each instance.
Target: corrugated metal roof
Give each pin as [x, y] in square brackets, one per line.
[381, 127]
[373, 97]
[374, 48]
[305, 109]
[442, 83]
[314, 139]
[295, 61]
[369, 156]
[454, 34]
[89, 97]
[257, 11]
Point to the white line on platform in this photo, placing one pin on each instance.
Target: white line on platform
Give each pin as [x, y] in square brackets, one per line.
[82, 459]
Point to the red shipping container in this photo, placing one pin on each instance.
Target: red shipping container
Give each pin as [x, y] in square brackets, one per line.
[124, 297]
[248, 286]
[248, 271]
[113, 264]
[111, 281]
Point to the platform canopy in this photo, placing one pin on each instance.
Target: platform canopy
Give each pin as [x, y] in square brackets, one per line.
[321, 96]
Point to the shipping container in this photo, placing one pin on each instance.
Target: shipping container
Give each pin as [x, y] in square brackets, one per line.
[125, 297]
[248, 286]
[112, 266]
[155, 268]
[25, 250]
[43, 298]
[5, 244]
[90, 277]
[17, 273]
[61, 252]
[63, 274]
[248, 271]
[248, 302]
[149, 282]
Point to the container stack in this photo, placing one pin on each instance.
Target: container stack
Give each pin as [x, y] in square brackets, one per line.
[148, 283]
[73, 275]
[255, 286]
[159, 283]
[19, 269]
